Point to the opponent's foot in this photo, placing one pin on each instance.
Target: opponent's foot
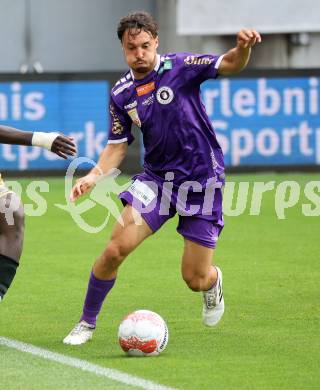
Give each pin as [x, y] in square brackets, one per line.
[213, 303]
[80, 334]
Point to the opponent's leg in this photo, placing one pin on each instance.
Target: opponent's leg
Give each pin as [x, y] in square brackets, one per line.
[124, 239]
[200, 275]
[11, 238]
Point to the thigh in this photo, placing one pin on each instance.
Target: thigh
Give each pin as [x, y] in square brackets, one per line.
[196, 259]
[126, 236]
[130, 230]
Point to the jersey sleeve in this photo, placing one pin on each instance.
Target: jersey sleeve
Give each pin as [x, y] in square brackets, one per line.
[119, 124]
[198, 67]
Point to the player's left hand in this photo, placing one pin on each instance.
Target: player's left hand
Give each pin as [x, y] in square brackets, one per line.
[247, 38]
[64, 146]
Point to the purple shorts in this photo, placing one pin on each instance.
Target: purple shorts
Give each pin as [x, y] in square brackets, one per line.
[200, 212]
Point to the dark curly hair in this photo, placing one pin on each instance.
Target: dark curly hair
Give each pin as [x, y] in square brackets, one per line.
[135, 22]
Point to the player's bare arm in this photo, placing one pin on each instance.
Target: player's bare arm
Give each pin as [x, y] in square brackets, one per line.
[111, 157]
[237, 58]
[57, 143]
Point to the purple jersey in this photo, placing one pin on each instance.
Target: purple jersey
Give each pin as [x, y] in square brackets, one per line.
[177, 134]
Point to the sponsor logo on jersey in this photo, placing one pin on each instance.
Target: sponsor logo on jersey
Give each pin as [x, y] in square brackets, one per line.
[165, 95]
[122, 88]
[146, 88]
[192, 60]
[134, 117]
[131, 105]
[148, 101]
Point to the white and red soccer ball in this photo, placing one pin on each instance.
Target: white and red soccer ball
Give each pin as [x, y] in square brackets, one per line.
[143, 333]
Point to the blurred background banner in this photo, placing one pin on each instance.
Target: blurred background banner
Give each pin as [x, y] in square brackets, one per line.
[59, 59]
[266, 121]
[76, 108]
[259, 121]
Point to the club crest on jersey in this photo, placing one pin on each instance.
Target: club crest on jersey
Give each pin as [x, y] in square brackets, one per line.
[165, 95]
[135, 117]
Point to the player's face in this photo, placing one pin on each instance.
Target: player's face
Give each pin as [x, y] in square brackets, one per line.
[140, 52]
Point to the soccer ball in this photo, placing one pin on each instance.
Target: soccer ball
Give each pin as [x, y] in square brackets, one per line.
[143, 333]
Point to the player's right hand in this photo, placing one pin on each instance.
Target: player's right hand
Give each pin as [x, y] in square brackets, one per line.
[83, 185]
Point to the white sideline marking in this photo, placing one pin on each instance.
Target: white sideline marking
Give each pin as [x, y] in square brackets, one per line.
[110, 373]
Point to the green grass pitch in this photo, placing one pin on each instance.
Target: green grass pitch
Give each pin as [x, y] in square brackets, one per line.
[269, 337]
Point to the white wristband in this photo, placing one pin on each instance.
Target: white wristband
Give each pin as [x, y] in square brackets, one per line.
[45, 140]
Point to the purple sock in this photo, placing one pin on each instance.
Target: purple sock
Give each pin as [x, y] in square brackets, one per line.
[96, 293]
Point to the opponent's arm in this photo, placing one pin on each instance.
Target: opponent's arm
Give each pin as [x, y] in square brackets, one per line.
[55, 142]
[111, 157]
[9, 135]
[237, 58]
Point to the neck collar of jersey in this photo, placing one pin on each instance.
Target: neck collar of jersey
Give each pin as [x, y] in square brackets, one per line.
[156, 68]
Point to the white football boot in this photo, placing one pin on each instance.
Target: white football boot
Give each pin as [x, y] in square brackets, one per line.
[80, 334]
[213, 303]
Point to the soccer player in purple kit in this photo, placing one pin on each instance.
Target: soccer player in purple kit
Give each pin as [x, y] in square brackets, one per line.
[161, 95]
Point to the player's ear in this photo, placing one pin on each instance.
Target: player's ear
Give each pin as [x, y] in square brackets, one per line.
[157, 42]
